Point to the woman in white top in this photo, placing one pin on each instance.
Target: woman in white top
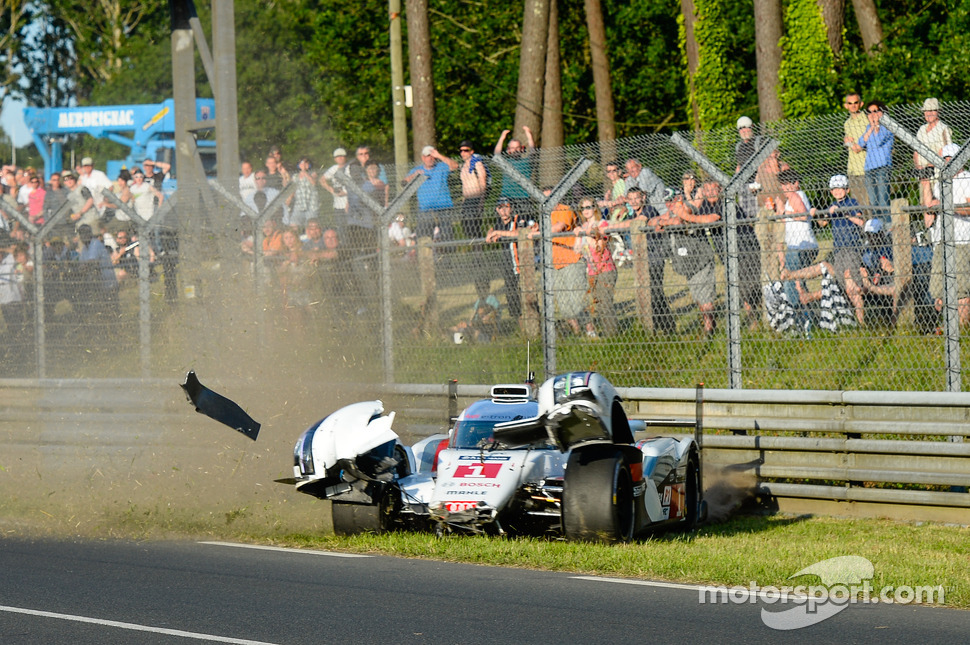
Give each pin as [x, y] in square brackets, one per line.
[801, 248]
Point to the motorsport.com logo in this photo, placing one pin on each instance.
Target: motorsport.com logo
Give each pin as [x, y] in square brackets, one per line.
[845, 580]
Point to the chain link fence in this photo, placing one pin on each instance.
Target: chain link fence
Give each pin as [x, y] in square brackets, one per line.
[763, 262]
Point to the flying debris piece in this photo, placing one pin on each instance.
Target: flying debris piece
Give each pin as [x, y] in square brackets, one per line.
[218, 407]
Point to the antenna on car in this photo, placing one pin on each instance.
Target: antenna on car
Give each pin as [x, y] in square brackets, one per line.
[530, 376]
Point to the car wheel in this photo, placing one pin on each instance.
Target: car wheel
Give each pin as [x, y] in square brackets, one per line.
[597, 497]
[353, 519]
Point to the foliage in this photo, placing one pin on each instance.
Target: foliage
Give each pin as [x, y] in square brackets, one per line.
[926, 52]
[717, 83]
[808, 81]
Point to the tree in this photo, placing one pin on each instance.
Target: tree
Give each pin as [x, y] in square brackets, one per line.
[422, 75]
[15, 15]
[807, 75]
[532, 66]
[833, 14]
[605, 125]
[691, 57]
[870, 27]
[767, 29]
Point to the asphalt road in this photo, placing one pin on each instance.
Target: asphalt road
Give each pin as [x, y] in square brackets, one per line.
[109, 592]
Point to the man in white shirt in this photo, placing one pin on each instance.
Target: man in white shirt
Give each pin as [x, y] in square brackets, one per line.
[95, 181]
[247, 184]
[326, 180]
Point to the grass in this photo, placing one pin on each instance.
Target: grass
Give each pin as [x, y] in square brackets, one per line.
[764, 549]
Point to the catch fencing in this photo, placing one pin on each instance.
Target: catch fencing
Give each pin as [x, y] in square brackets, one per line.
[696, 299]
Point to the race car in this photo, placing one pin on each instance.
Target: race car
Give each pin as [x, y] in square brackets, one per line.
[561, 462]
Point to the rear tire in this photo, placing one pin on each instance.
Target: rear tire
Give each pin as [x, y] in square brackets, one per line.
[597, 497]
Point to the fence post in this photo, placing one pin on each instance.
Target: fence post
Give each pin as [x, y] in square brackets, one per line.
[731, 186]
[527, 284]
[641, 277]
[384, 215]
[429, 302]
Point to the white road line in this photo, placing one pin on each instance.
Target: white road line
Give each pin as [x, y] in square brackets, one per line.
[288, 550]
[133, 626]
[642, 583]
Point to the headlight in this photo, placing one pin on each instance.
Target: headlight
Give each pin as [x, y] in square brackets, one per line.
[303, 453]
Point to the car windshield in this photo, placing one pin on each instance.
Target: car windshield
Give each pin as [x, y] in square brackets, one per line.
[471, 433]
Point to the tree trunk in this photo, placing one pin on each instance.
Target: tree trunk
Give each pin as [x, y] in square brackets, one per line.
[693, 58]
[422, 79]
[833, 13]
[869, 24]
[552, 136]
[532, 67]
[605, 123]
[767, 35]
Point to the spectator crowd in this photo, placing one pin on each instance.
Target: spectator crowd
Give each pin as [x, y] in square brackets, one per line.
[322, 239]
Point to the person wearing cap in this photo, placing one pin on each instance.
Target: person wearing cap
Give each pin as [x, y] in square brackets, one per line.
[854, 127]
[934, 134]
[846, 259]
[434, 197]
[327, 181]
[745, 148]
[961, 239]
[878, 143]
[95, 181]
[474, 186]
[506, 228]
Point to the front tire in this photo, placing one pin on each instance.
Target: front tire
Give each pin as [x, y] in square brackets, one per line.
[597, 498]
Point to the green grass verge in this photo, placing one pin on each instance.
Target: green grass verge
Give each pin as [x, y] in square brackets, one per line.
[766, 550]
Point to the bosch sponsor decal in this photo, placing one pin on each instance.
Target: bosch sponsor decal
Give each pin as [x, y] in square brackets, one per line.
[483, 458]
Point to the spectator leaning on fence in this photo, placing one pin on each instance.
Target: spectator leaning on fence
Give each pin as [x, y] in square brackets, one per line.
[846, 259]
[643, 178]
[961, 239]
[474, 186]
[434, 197]
[506, 229]
[801, 248]
[855, 126]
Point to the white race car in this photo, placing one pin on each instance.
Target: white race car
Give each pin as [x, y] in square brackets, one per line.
[563, 462]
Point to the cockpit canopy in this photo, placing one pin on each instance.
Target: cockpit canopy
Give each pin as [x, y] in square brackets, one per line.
[475, 426]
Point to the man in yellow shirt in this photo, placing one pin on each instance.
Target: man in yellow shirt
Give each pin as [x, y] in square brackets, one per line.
[855, 126]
